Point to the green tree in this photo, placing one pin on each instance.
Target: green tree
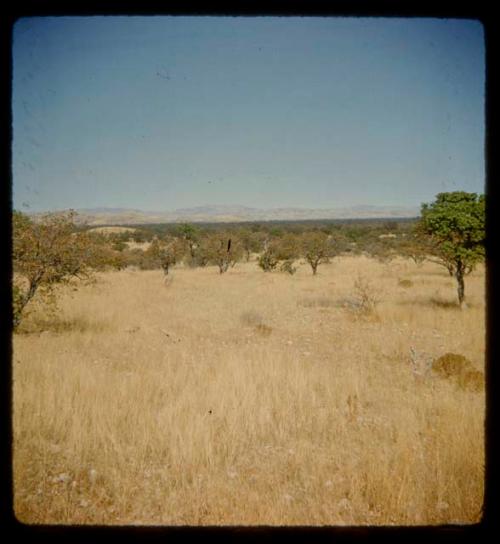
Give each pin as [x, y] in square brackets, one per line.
[190, 235]
[250, 241]
[49, 252]
[316, 249]
[455, 226]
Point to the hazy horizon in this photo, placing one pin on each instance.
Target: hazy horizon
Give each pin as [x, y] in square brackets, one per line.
[219, 206]
[165, 113]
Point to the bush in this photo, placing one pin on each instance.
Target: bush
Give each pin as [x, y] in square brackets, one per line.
[450, 365]
[365, 295]
[268, 261]
[458, 369]
[287, 266]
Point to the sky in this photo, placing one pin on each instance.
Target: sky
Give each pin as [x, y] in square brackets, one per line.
[159, 113]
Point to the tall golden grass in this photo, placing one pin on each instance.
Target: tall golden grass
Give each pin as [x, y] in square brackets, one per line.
[251, 398]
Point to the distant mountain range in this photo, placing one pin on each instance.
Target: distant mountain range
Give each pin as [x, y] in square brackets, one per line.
[229, 213]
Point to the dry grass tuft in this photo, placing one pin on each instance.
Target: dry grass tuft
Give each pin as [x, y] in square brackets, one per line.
[264, 330]
[42, 323]
[447, 304]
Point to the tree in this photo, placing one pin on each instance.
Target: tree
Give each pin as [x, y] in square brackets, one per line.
[316, 249]
[190, 235]
[164, 254]
[47, 253]
[223, 250]
[268, 260]
[455, 225]
[250, 241]
[282, 248]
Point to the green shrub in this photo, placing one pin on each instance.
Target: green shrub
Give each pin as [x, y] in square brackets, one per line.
[268, 261]
[287, 266]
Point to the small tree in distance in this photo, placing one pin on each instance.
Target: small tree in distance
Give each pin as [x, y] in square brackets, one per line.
[223, 250]
[165, 254]
[190, 235]
[316, 249]
[455, 225]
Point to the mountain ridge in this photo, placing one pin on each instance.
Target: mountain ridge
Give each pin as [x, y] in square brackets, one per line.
[220, 213]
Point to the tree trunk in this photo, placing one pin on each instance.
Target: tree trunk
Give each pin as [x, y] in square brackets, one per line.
[191, 249]
[22, 303]
[459, 275]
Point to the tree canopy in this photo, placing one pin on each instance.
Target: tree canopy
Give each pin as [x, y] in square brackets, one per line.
[455, 226]
[48, 252]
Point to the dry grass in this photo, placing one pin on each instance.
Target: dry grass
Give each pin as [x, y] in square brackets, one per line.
[250, 398]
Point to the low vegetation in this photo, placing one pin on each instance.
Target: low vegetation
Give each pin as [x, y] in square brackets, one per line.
[349, 395]
[249, 398]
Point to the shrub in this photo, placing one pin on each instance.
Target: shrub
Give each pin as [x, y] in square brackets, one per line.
[460, 370]
[450, 365]
[287, 266]
[471, 380]
[405, 283]
[365, 295]
[268, 260]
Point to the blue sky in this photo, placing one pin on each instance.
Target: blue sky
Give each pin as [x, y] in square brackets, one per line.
[158, 113]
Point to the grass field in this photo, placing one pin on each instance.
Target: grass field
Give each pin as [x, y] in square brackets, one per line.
[251, 398]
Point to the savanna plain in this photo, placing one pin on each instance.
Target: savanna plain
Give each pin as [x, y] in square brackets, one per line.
[251, 398]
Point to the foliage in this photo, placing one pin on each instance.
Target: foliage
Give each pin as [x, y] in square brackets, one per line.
[455, 226]
[50, 252]
[163, 254]
[119, 244]
[250, 240]
[190, 234]
[224, 250]
[316, 248]
[287, 266]
[268, 260]
[415, 247]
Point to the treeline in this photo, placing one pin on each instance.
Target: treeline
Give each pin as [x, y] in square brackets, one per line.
[382, 239]
[52, 250]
